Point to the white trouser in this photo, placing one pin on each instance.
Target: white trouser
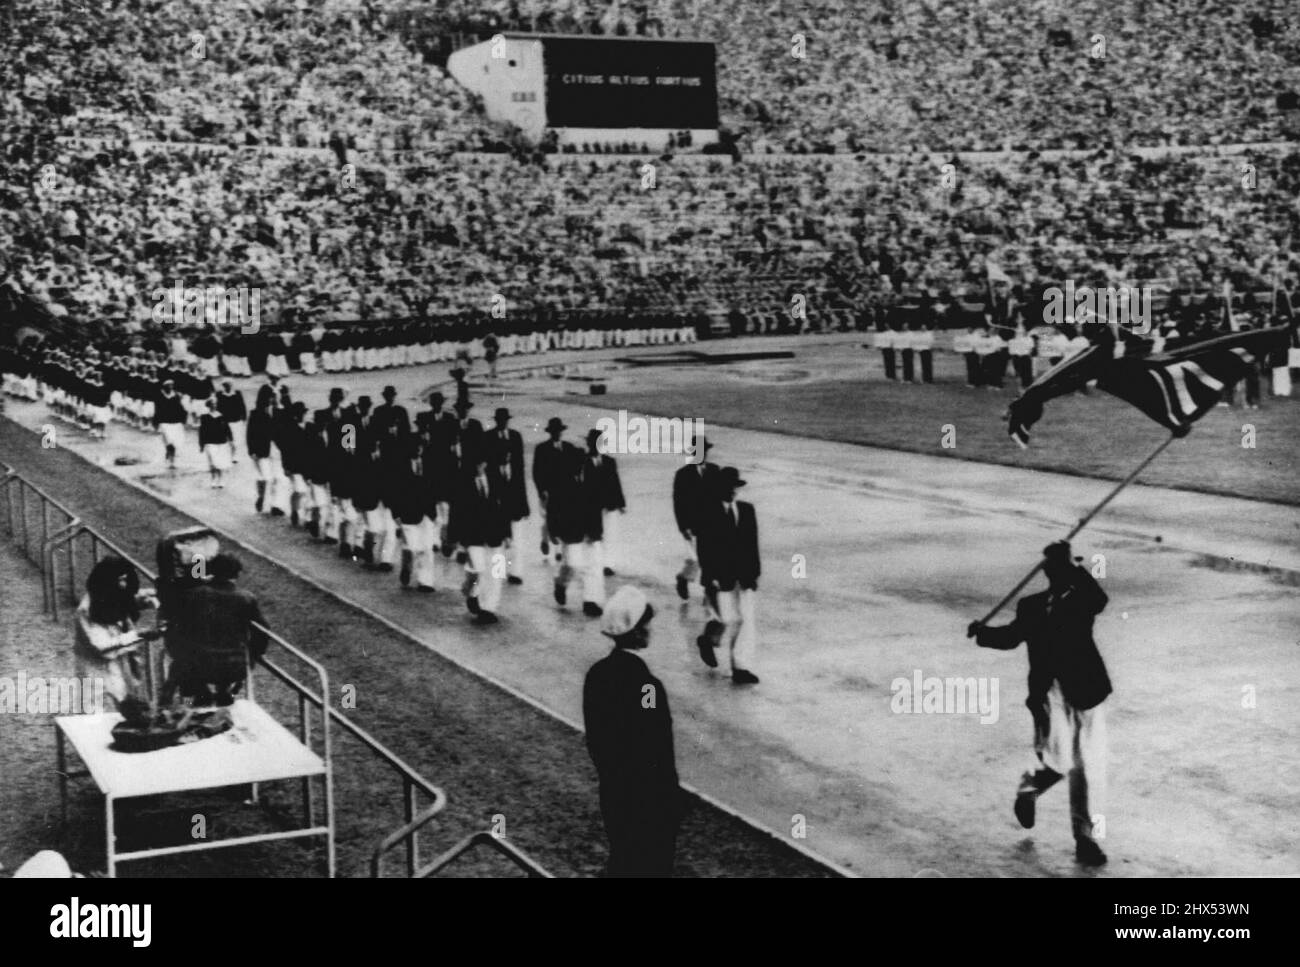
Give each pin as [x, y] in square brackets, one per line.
[482, 576]
[1074, 746]
[173, 434]
[612, 525]
[444, 515]
[1282, 381]
[419, 539]
[348, 519]
[585, 560]
[379, 524]
[237, 435]
[735, 609]
[512, 552]
[320, 500]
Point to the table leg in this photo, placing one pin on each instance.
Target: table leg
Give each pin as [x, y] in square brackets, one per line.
[63, 773]
[110, 837]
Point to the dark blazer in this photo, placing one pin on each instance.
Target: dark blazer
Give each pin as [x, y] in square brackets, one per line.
[315, 456]
[729, 550]
[510, 453]
[231, 406]
[693, 492]
[630, 743]
[391, 422]
[410, 495]
[477, 520]
[258, 436]
[332, 424]
[366, 488]
[551, 465]
[210, 632]
[1058, 631]
[603, 484]
[213, 429]
[168, 409]
[572, 516]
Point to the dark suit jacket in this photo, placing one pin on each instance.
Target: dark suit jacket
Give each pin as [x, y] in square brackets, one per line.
[630, 743]
[1058, 631]
[476, 520]
[510, 452]
[391, 422]
[210, 632]
[693, 492]
[408, 495]
[550, 465]
[603, 484]
[729, 550]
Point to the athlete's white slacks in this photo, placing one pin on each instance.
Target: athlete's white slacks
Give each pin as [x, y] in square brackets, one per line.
[379, 525]
[735, 609]
[481, 576]
[1073, 746]
[587, 561]
[419, 540]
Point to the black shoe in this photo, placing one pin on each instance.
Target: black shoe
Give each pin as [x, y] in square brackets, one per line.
[742, 677]
[1088, 853]
[682, 591]
[461, 557]
[446, 550]
[546, 549]
[609, 572]
[591, 609]
[384, 566]
[276, 512]
[472, 604]
[514, 579]
[561, 594]
[486, 618]
[706, 651]
[1024, 809]
[405, 577]
[425, 589]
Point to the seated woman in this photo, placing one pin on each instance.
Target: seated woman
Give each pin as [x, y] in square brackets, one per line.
[106, 635]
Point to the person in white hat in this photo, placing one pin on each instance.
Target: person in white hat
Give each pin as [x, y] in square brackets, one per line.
[630, 738]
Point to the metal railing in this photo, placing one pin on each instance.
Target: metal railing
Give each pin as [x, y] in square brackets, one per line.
[80, 544]
[466, 845]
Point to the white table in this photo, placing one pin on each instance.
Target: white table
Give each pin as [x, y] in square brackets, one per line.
[257, 749]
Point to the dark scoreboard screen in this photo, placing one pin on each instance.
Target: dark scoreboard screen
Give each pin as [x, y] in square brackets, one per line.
[611, 83]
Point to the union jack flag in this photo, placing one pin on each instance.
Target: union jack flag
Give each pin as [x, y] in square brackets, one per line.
[1174, 388]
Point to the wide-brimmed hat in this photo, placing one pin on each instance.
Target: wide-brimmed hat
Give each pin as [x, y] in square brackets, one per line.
[730, 478]
[555, 423]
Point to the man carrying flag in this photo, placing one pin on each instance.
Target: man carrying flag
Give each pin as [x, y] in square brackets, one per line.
[1067, 685]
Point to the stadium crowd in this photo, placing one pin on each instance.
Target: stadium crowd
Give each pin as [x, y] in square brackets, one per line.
[289, 176]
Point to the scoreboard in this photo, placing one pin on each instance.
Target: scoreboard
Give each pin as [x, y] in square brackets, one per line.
[584, 83]
[594, 82]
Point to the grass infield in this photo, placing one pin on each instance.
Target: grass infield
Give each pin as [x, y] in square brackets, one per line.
[1096, 435]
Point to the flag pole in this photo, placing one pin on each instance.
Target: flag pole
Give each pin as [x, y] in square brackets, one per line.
[1083, 522]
